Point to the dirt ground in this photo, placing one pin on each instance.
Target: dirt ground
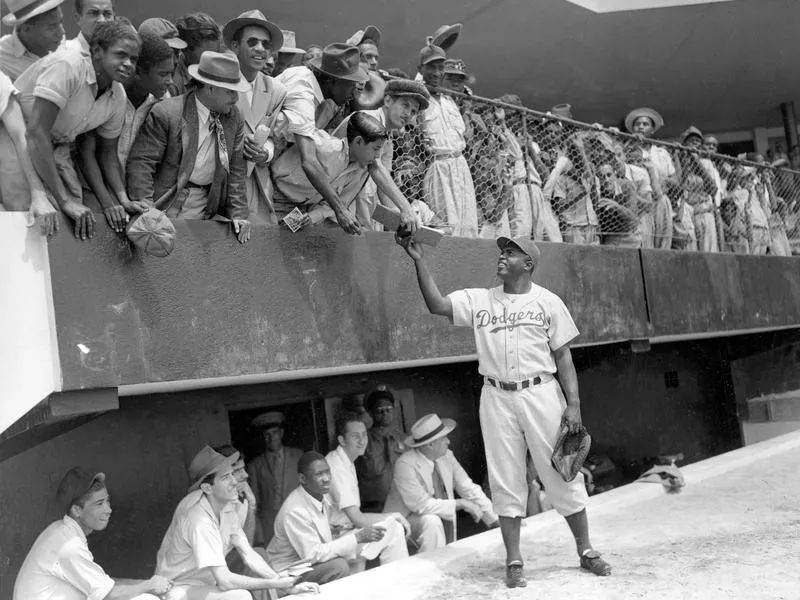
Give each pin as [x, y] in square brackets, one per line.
[733, 536]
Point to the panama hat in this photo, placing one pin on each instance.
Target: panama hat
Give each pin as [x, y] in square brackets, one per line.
[657, 119]
[207, 462]
[290, 43]
[427, 429]
[24, 10]
[252, 17]
[341, 61]
[446, 36]
[220, 70]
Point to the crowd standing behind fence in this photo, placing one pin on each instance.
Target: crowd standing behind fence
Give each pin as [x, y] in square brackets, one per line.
[470, 166]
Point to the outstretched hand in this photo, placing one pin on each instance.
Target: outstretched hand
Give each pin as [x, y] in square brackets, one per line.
[407, 243]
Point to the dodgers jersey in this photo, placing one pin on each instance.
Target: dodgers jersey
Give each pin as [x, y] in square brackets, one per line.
[515, 333]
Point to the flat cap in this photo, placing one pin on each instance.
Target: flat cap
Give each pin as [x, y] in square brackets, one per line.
[407, 87]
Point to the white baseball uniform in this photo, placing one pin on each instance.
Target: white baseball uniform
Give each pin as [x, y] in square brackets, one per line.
[515, 335]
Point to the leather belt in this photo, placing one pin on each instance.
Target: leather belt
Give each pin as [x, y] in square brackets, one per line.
[514, 386]
[521, 180]
[190, 185]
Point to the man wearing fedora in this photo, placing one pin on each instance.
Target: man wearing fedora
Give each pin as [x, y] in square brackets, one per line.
[273, 474]
[67, 94]
[448, 185]
[522, 333]
[385, 445]
[60, 564]
[88, 14]
[201, 34]
[426, 479]
[252, 38]
[303, 529]
[646, 122]
[288, 54]
[314, 95]
[188, 159]
[206, 526]
[38, 30]
[402, 102]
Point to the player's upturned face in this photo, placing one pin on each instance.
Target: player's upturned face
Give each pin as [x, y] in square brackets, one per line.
[512, 262]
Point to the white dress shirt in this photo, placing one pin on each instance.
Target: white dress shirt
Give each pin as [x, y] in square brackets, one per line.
[206, 162]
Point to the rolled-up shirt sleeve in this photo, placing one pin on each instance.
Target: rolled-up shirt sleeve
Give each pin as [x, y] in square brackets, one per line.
[207, 545]
[58, 82]
[79, 569]
[299, 111]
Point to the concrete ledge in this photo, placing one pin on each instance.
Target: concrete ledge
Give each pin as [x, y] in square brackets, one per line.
[408, 579]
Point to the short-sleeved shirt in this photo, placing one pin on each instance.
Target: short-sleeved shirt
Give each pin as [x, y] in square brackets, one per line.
[515, 334]
[573, 194]
[196, 540]
[60, 566]
[303, 96]
[15, 58]
[344, 488]
[7, 91]
[443, 126]
[79, 43]
[67, 79]
[662, 162]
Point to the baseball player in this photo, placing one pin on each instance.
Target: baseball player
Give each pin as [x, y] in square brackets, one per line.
[522, 333]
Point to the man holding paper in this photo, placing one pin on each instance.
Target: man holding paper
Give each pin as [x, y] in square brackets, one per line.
[349, 162]
[346, 512]
[303, 530]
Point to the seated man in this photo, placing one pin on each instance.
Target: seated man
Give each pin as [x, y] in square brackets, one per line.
[69, 93]
[345, 514]
[303, 532]
[206, 181]
[425, 480]
[205, 527]
[60, 565]
[348, 164]
[38, 30]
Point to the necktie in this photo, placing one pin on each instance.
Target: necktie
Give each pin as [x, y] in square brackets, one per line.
[215, 127]
[440, 493]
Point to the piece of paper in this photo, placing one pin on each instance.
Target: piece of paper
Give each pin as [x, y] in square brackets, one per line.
[391, 220]
[294, 220]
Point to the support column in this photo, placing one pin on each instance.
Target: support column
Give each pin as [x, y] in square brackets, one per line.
[789, 124]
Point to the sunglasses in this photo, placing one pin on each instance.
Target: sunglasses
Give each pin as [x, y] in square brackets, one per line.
[253, 42]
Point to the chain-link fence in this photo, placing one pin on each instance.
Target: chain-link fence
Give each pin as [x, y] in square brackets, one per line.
[487, 168]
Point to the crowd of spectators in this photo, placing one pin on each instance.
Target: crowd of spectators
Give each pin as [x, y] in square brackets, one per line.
[192, 120]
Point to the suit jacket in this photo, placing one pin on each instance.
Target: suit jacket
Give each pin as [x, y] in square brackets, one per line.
[162, 158]
[302, 532]
[269, 492]
[268, 97]
[412, 488]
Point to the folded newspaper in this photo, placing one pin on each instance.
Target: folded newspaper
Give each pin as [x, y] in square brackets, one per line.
[390, 219]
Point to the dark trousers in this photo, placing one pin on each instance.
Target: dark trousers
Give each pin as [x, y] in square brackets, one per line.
[327, 571]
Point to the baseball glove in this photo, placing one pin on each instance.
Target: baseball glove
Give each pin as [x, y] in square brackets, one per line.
[570, 451]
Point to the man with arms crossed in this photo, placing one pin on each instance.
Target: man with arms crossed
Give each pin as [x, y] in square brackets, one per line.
[522, 334]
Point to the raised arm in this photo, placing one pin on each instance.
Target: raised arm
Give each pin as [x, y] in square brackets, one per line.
[437, 303]
[388, 189]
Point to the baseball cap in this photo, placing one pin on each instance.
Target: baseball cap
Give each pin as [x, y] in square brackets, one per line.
[165, 29]
[269, 419]
[526, 245]
[75, 484]
[152, 232]
[431, 53]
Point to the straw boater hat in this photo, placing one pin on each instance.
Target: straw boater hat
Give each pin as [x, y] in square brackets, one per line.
[692, 131]
[341, 61]
[370, 34]
[164, 29]
[446, 36]
[20, 11]
[410, 89]
[657, 119]
[206, 462]
[427, 429]
[290, 43]
[220, 70]
[252, 17]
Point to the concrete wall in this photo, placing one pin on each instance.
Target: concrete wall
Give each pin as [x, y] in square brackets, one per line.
[144, 446]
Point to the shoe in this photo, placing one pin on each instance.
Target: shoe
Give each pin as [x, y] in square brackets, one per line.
[515, 576]
[592, 562]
